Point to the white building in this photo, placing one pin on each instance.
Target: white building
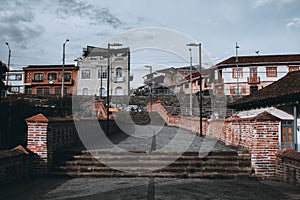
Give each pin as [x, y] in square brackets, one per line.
[93, 68]
[252, 73]
[15, 82]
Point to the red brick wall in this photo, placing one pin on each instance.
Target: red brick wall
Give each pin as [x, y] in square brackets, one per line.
[259, 135]
[288, 166]
[46, 135]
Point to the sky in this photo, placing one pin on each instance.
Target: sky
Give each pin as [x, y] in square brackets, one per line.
[37, 29]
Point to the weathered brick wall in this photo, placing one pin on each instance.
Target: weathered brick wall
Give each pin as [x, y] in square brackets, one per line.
[189, 123]
[259, 135]
[288, 166]
[46, 135]
[14, 165]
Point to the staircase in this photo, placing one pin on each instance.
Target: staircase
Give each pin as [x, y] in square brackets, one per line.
[222, 165]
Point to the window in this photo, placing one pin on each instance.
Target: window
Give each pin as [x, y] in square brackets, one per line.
[68, 77]
[271, 71]
[15, 77]
[86, 74]
[39, 77]
[104, 74]
[119, 72]
[119, 91]
[28, 90]
[52, 76]
[293, 68]
[39, 90]
[186, 85]
[57, 90]
[102, 92]
[237, 73]
[85, 91]
[102, 71]
[235, 90]
[46, 90]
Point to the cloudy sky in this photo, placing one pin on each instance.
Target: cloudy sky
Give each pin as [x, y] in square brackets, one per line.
[36, 29]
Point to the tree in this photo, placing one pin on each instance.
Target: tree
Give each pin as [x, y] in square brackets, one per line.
[3, 70]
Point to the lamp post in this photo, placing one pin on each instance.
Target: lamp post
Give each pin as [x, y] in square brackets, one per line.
[8, 64]
[237, 68]
[191, 90]
[153, 144]
[151, 86]
[200, 79]
[108, 80]
[63, 69]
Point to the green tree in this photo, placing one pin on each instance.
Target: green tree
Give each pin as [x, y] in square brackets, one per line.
[3, 70]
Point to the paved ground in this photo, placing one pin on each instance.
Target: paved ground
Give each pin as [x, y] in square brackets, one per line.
[63, 188]
[137, 188]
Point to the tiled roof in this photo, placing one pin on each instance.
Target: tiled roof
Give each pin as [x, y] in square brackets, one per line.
[285, 90]
[260, 60]
[48, 66]
[91, 51]
[205, 73]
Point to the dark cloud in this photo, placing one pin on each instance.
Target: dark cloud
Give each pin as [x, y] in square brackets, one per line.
[72, 8]
[16, 23]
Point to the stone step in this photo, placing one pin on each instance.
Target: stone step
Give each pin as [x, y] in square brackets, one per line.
[165, 169]
[202, 175]
[159, 163]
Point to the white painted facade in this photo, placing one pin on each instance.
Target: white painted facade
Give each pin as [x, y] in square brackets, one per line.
[92, 75]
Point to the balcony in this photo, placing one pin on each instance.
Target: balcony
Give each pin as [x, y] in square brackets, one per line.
[52, 82]
[253, 79]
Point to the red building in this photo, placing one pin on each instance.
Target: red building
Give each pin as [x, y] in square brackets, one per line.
[47, 79]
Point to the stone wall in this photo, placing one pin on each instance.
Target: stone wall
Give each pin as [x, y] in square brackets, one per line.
[14, 165]
[45, 135]
[288, 166]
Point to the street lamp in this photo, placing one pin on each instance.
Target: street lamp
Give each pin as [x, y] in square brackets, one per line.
[151, 85]
[237, 68]
[200, 79]
[8, 64]
[153, 144]
[191, 90]
[108, 80]
[63, 69]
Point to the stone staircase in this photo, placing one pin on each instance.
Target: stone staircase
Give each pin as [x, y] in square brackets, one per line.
[102, 163]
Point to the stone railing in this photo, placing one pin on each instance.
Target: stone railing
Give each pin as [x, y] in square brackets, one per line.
[288, 166]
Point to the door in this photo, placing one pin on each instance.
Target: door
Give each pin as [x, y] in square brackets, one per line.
[253, 75]
[287, 134]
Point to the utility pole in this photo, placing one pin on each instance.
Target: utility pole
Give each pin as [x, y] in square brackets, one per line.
[63, 69]
[8, 69]
[237, 69]
[191, 90]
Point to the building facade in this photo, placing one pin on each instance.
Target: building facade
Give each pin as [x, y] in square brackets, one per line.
[47, 79]
[93, 72]
[15, 82]
[251, 73]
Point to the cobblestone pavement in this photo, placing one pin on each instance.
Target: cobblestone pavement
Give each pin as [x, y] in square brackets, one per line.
[137, 188]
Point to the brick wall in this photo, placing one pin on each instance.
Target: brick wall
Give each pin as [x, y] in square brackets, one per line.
[189, 123]
[260, 135]
[14, 165]
[288, 166]
[45, 135]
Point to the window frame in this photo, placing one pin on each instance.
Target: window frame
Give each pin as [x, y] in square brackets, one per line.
[271, 72]
[86, 76]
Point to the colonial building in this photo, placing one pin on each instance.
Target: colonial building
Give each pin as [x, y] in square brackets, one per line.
[93, 76]
[15, 81]
[47, 79]
[247, 74]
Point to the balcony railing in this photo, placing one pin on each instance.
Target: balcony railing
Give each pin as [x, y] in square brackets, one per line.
[253, 79]
[53, 82]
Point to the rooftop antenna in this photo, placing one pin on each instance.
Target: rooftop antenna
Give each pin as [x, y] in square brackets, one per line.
[257, 52]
